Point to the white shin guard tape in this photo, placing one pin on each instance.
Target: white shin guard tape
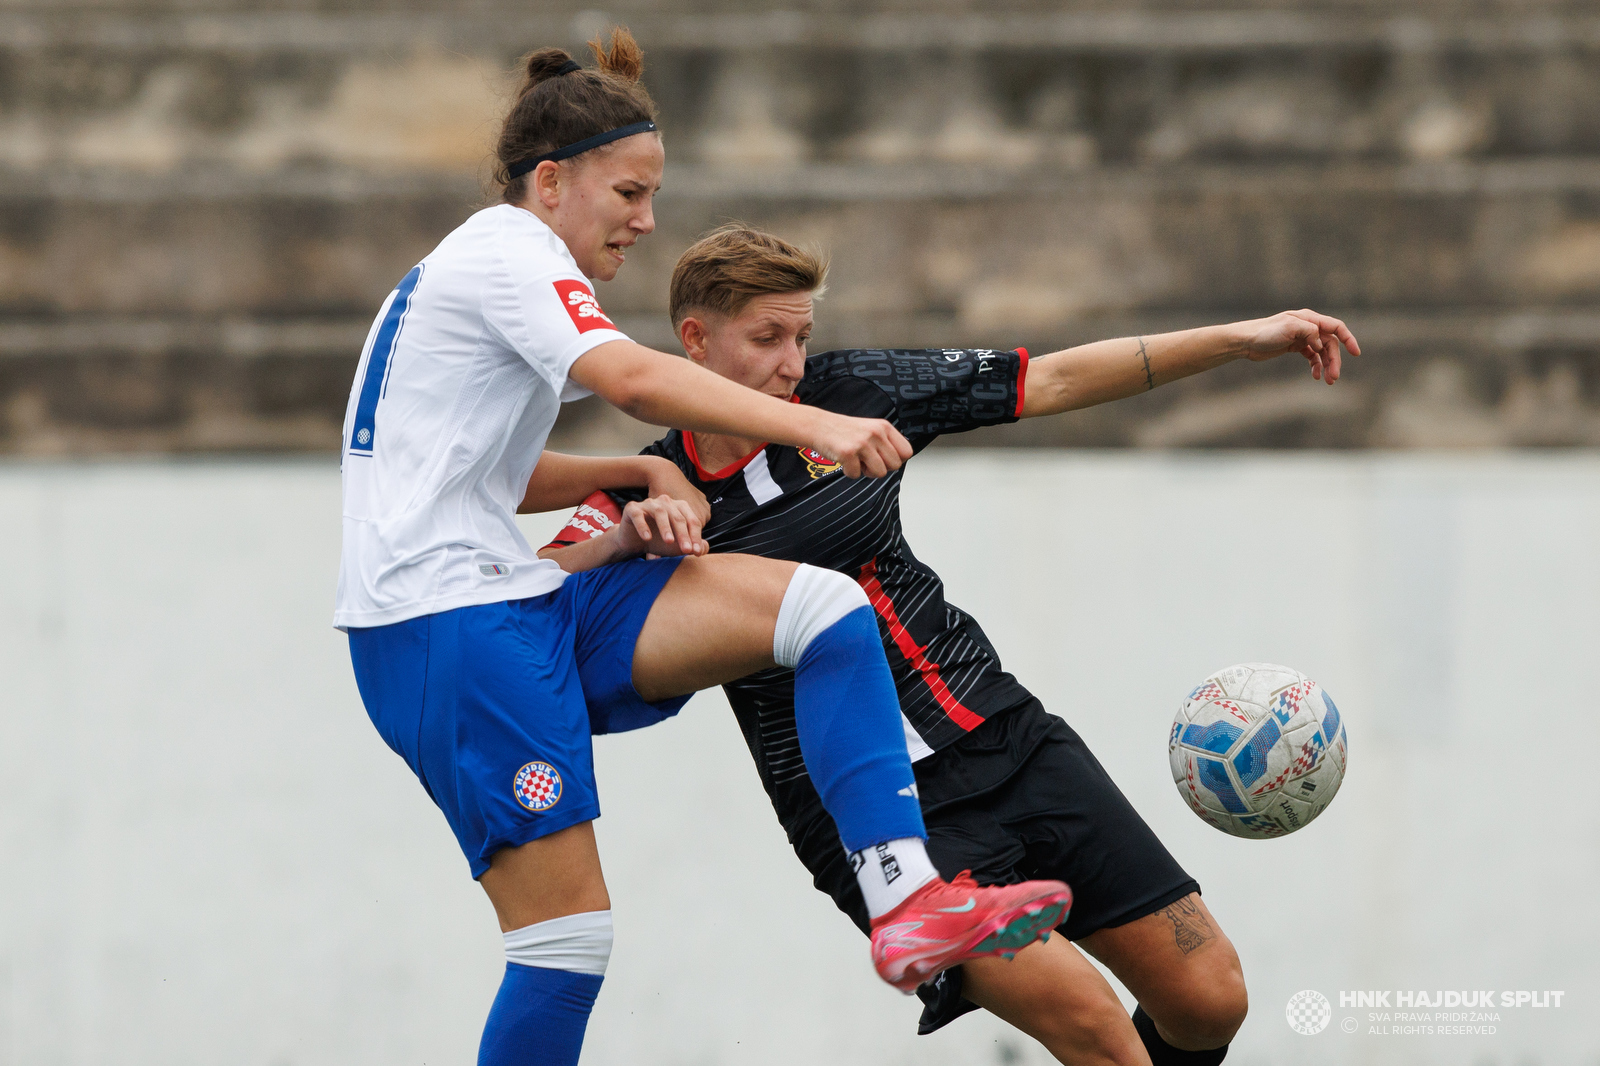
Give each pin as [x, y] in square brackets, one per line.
[577, 943]
[816, 599]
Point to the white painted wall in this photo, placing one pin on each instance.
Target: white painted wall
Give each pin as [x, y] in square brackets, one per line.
[208, 857]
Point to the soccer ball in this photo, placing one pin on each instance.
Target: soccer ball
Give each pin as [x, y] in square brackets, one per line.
[1257, 750]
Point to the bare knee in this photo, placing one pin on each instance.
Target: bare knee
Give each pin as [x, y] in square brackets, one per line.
[1208, 1011]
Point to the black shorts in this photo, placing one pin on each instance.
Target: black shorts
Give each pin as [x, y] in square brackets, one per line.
[1020, 798]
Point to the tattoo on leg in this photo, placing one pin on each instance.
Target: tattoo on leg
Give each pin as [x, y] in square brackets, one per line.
[1149, 378]
[1189, 926]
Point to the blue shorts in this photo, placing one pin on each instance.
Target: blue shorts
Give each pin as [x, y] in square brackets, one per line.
[492, 706]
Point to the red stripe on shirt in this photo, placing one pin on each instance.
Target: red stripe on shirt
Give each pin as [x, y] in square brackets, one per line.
[914, 654]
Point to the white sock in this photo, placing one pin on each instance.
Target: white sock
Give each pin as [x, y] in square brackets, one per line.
[815, 599]
[580, 943]
[888, 873]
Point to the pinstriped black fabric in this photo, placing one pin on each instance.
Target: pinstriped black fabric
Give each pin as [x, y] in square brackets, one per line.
[947, 674]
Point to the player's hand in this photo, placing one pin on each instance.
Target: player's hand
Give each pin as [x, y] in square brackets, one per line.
[667, 480]
[869, 446]
[658, 526]
[1315, 336]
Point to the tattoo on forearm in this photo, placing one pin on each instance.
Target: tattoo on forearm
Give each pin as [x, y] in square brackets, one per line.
[1149, 378]
[1189, 925]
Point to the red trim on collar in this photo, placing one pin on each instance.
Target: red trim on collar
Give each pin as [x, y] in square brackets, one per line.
[1022, 380]
[727, 471]
[733, 467]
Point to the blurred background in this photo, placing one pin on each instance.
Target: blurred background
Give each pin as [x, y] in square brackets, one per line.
[206, 855]
[203, 202]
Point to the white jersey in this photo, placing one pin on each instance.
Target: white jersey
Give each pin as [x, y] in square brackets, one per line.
[463, 373]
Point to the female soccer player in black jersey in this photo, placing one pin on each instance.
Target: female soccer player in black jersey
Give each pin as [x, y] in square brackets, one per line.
[1008, 790]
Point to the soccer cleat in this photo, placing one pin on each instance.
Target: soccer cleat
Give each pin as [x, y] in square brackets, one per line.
[943, 925]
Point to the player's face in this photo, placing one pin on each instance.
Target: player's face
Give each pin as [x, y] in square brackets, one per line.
[604, 203]
[764, 345]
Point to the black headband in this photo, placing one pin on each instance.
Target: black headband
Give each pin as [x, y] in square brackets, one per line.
[568, 67]
[516, 171]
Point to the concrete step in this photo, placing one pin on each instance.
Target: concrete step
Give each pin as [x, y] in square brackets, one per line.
[790, 18]
[1033, 250]
[92, 384]
[1007, 91]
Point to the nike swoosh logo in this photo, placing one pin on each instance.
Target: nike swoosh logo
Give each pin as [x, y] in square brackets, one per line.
[901, 936]
[972, 901]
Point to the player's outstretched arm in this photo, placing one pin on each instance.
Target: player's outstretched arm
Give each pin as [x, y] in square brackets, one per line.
[567, 480]
[668, 391]
[1097, 373]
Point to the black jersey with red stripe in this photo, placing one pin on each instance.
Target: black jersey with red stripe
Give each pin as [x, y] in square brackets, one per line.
[791, 503]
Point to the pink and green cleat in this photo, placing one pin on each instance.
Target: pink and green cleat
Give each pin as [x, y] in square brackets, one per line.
[945, 924]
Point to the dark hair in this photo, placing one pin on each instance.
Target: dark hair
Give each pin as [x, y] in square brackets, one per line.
[554, 110]
[728, 267]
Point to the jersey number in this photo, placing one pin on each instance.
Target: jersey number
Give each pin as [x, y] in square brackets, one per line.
[376, 381]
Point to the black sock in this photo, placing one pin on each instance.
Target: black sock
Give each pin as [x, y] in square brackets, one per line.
[1164, 1054]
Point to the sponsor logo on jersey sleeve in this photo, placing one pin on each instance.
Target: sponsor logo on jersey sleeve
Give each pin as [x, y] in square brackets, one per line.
[819, 465]
[537, 786]
[582, 307]
[592, 518]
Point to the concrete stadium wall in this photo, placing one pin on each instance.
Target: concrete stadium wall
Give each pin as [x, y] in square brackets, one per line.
[202, 204]
[210, 858]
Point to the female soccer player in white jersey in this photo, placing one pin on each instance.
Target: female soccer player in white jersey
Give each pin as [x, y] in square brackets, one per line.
[1008, 791]
[487, 668]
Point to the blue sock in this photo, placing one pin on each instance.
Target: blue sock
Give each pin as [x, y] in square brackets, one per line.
[847, 713]
[538, 1017]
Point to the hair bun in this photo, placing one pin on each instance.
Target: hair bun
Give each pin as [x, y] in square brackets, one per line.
[545, 64]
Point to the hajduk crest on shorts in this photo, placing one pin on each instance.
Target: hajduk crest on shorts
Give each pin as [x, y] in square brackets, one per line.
[537, 786]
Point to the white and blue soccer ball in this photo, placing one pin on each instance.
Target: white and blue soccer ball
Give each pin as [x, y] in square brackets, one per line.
[1257, 750]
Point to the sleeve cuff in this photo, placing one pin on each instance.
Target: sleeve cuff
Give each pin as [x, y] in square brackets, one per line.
[586, 342]
[1022, 381]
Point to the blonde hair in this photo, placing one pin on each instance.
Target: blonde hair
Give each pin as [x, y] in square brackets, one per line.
[728, 267]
